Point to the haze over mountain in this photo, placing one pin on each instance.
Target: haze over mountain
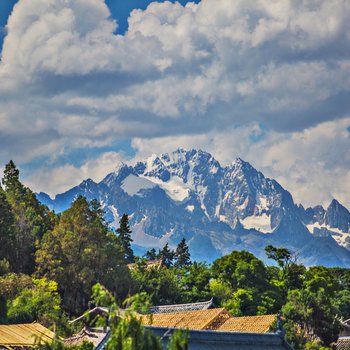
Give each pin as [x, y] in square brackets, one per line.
[217, 209]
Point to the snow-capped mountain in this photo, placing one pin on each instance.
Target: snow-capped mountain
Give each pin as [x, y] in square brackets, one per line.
[333, 221]
[217, 209]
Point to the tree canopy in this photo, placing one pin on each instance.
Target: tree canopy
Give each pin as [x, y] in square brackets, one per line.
[49, 264]
[81, 251]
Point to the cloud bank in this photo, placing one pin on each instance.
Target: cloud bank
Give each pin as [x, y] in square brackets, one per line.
[275, 75]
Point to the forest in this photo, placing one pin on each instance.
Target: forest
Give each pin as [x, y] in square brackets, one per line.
[54, 267]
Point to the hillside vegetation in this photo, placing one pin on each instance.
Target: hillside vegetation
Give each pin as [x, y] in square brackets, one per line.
[49, 264]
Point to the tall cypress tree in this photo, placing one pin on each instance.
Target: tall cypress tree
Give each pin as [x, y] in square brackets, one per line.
[124, 234]
[182, 255]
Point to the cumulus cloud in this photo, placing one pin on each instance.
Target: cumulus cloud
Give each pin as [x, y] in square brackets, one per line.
[54, 180]
[312, 164]
[180, 72]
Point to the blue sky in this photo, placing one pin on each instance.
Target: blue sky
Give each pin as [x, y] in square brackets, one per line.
[265, 81]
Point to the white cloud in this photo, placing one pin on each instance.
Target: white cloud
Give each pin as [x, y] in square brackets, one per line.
[312, 164]
[182, 74]
[53, 180]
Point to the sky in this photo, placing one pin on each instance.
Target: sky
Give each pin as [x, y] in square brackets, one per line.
[85, 84]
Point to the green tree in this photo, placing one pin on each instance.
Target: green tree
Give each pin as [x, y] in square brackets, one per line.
[182, 255]
[248, 278]
[11, 182]
[161, 284]
[194, 282]
[10, 286]
[128, 333]
[7, 233]
[291, 274]
[31, 221]
[178, 340]
[167, 255]
[220, 290]
[81, 251]
[58, 344]
[281, 255]
[151, 254]
[124, 234]
[38, 302]
[314, 308]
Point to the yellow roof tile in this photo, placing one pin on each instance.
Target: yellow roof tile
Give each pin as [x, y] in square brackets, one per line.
[200, 319]
[24, 334]
[251, 324]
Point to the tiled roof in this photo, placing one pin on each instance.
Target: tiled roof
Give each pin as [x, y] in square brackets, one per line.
[95, 311]
[254, 324]
[343, 343]
[204, 305]
[203, 319]
[95, 336]
[211, 319]
[24, 335]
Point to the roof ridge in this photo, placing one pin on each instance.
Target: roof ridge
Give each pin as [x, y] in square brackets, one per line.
[196, 303]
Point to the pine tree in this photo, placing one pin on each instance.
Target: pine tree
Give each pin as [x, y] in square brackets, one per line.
[125, 238]
[7, 234]
[167, 255]
[151, 254]
[31, 220]
[13, 187]
[182, 255]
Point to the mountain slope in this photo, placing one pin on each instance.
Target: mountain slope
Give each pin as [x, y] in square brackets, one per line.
[217, 209]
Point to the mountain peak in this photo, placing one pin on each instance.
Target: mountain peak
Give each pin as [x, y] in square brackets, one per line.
[87, 182]
[224, 208]
[120, 165]
[334, 204]
[240, 163]
[186, 155]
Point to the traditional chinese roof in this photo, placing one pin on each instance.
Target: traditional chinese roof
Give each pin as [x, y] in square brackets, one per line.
[95, 336]
[343, 343]
[347, 322]
[24, 335]
[210, 340]
[254, 324]
[205, 305]
[202, 319]
[98, 310]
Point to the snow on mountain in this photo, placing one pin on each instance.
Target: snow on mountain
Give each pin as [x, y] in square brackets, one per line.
[175, 188]
[260, 223]
[333, 222]
[217, 209]
[133, 185]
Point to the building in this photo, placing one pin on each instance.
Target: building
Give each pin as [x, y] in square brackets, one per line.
[210, 340]
[209, 328]
[97, 336]
[27, 335]
[204, 305]
[212, 319]
[343, 342]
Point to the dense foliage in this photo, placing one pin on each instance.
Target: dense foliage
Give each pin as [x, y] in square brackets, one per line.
[49, 264]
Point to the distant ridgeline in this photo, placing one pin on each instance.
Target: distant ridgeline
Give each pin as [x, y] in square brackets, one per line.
[217, 209]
